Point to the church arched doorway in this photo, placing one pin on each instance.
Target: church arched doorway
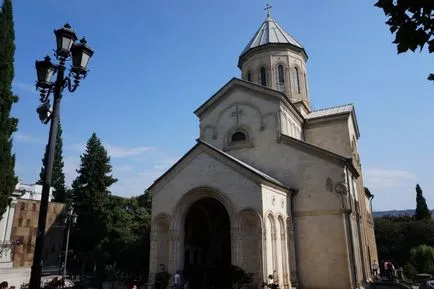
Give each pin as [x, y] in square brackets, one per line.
[207, 243]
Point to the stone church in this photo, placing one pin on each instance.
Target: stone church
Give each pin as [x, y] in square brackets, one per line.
[271, 186]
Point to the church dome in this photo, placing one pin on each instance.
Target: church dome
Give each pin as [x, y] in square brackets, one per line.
[271, 34]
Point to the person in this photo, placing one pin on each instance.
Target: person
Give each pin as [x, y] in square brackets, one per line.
[375, 269]
[177, 280]
[4, 285]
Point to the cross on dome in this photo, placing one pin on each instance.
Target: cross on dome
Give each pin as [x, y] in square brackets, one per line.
[268, 8]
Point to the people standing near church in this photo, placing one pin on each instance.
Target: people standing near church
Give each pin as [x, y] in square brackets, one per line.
[375, 269]
[177, 280]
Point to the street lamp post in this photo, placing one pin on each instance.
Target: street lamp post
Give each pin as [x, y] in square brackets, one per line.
[70, 220]
[80, 53]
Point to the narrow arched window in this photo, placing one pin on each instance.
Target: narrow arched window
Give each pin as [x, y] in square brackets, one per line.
[297, 80]
[249, 76]
[305, 85]
[280, 78]
[263, 77]
[238, 136]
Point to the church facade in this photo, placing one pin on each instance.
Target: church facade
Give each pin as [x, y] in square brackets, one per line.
[271, 186]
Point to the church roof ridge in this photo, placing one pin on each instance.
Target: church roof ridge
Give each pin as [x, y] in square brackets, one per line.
[270, 32]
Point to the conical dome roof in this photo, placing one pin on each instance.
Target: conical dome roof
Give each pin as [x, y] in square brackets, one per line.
[271, 33]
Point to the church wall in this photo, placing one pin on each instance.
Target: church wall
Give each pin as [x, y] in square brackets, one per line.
[204, 170]
[323, 260]
[331, 135]
[199, 170]
[257, 118]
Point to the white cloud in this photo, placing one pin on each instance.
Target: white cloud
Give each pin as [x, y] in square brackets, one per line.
[113, 150]
[121, 152]
[28, 138]
[135, 183]
[388, 178]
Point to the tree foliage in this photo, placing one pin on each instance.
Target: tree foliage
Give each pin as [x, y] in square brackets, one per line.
[112, 233]
[412, 23]
[127, 245]
[8, 125]
[396, 236]
[91, 202]
[422, 211]
[58, 177]
[422, 259]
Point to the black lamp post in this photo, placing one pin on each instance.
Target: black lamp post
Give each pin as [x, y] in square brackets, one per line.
[80, 53]
[70, 220]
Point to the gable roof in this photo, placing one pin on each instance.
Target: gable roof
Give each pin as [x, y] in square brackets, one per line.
[235, 161]
[249, 85]
[334, 111]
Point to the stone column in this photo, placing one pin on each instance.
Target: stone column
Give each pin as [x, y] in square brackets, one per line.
[152, 256]
[291, 251]
[174, 251]
[235, 246]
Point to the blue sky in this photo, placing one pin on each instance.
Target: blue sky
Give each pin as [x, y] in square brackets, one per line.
[155, 62]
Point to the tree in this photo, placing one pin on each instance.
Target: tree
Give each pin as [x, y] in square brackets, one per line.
[8, 125]
[90, 198]
[412, 22]
[422, 259]
[58, 177]
[422, 211]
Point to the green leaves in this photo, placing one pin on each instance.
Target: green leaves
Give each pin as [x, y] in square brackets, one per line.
[412, 22]
[58, 177]
[8, 124]
[422, 211]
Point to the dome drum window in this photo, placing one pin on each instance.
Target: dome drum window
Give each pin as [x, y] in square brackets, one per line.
[280, 78]
[263, 75]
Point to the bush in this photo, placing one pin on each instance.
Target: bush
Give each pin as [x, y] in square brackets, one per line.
[162, 278]
[239, 278]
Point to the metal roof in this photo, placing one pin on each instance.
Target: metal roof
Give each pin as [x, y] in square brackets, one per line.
[270, 32]
[330, 111]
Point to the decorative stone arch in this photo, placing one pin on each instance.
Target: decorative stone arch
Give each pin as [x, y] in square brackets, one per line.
[162, 217]
[284, 274]
[270, 244]
[250, 225]
[160, 245]
[243, 103]
[180, 211]
[249, 142]
[251, 211]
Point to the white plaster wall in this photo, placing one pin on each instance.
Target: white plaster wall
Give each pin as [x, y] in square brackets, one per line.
[204, 170]
[331, 135]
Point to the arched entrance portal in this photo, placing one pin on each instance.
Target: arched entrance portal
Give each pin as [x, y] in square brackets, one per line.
[207, 243]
